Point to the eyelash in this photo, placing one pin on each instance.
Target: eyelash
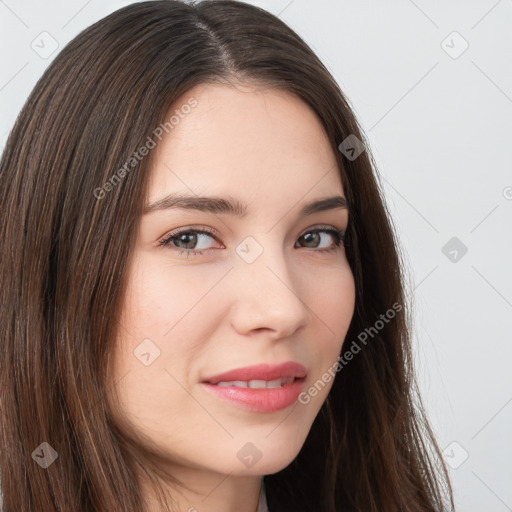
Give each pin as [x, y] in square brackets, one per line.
[166, 242]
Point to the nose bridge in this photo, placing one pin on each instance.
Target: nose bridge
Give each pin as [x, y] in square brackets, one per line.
[267, 288]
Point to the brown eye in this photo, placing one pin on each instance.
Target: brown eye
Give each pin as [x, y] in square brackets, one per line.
[313, 238]
[186, 241]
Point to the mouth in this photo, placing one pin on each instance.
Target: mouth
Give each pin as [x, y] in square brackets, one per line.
[257, 384]
[260, 388]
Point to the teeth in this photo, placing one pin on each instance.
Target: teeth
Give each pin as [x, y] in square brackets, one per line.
[257, 384]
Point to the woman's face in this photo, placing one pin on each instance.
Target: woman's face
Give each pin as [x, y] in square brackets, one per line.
[264, 288]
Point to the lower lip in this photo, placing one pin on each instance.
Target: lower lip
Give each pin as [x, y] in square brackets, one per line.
[260, 400]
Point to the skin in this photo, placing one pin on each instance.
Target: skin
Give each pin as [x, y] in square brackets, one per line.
[213, 312]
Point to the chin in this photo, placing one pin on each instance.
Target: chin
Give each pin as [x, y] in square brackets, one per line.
[268, 454]
[262, 468]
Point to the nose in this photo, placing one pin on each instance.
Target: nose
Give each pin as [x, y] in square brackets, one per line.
[267, 296]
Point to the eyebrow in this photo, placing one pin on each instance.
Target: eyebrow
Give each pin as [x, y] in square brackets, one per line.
[231, 206]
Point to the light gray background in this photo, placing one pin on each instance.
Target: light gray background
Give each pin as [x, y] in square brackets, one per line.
[440, 127]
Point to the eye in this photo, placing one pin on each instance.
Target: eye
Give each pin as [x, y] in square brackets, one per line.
[313, 236]
[188, 237]
[187, 240]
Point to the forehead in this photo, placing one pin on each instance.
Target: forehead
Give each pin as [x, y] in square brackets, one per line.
[245, 140]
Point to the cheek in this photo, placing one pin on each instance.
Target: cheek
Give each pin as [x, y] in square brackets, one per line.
[168, 313]
[333, 305]
[333, 301]
[161, 316]
[162, 298]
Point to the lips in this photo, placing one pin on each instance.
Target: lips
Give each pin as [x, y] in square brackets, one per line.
[261, 372]
[261, 388]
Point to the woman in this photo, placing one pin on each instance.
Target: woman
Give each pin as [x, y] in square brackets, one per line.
[202, 294]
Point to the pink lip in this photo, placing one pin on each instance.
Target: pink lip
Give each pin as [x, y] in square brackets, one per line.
[260, 372]
[260, 400]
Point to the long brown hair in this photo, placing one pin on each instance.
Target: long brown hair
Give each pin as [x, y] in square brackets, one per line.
[65, 253]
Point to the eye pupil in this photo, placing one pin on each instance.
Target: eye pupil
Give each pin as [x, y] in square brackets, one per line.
[191, 236]
[311, 237]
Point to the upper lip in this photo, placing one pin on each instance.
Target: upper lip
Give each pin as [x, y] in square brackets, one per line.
[260, 372]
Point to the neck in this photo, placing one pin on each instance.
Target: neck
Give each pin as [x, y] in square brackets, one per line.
[201, 491]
